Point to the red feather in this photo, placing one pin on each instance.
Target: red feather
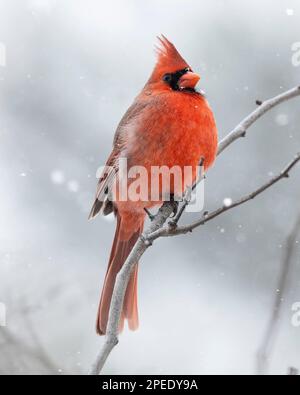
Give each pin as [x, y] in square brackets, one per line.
[163, 127]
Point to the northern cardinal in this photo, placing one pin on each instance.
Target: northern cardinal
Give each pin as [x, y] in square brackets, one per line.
[168, 124]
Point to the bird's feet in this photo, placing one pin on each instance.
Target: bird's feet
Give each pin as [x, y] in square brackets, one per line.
[150, 215]
[175, 205]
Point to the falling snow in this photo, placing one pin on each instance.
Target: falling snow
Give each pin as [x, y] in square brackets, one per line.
[227, 202]
[282, 119]
[57, 177]
[73, 186]
[54, 209]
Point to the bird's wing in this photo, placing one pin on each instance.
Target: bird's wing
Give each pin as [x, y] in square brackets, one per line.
[102, 201]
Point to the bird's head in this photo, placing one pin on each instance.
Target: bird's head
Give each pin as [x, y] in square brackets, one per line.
[171, 70]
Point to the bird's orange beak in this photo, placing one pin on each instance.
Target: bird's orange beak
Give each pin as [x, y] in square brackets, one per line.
[188, 80]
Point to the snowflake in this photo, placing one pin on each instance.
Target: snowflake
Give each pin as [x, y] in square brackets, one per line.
[73, 186]
[57, 177]
[227, 202]
[282, 119]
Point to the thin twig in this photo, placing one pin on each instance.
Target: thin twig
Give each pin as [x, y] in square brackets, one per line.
[187, 196]
[163, 214]
[111, 337]
[170, 231]
[268, 341]
[241, 129]
[35, 351]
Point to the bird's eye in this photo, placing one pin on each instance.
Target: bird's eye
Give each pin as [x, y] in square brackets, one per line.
[187, 69]
[167, 77]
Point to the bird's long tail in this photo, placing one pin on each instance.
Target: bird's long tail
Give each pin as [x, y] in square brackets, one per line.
[128, 231]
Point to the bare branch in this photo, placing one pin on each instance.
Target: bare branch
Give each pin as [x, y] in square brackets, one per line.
[36, 352]
[171, 231]
[241, 128]
[156, 229]
[111, 338]
[187, 196]
[265, 350]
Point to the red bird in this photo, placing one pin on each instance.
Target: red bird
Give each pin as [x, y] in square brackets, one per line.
[168, 124]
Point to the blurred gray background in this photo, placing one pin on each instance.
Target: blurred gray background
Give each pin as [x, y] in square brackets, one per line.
[72, 69]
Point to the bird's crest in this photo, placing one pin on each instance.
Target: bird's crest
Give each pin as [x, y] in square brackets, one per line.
[168, 58]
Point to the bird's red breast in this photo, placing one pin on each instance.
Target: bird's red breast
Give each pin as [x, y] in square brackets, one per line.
[169, 125]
